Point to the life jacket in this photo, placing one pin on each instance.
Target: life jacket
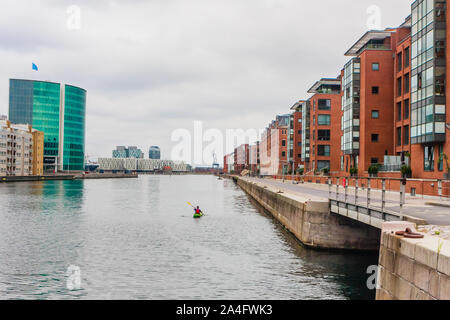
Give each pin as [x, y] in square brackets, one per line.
[198, 211]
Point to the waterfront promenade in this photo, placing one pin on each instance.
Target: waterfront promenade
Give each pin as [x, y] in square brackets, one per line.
[419, 207]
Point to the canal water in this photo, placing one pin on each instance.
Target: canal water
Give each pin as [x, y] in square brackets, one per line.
[136, 239]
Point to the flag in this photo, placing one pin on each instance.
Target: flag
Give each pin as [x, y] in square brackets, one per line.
[34, 66]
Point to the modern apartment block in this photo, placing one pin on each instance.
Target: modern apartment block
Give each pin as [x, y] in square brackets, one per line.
[295, 136]
[123, 152]
[253, 155]
[59, 112]
[242, 160]
[21, 150]
[430, 114]
[324, 125]
[154, 153]
[371, 87]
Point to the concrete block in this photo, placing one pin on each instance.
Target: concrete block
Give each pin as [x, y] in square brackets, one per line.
[404, 267]
[334, 209]
[418, 294]
[364, 218]
[407, 247]
[444, 258]
[353, 214]
[388, 281]
[317, 206]
[444, 287]
[426, 252]
[421, 276]
[384, 295]
[393, 243]
[343, 212]
[387, 259]
[403, 289]
[394, 226]
[433, 288]
[375, 222]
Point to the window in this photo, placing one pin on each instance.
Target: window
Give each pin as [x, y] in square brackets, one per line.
[283, 154]
[406, 135]
[399, 111]
[323, 135]
[322, 165]
[324, 104]
[323, 150]
[399, 136]
[375, 90]
[314, 120]
[428, 158]
[406, 83]
[375, 66]
[374, 161]
[375, 114]
[399, 87]
[324, 120]
[375, 137]
[399, 62]
[441, 159]
[283, 143]
[406, 109]
[407, 57]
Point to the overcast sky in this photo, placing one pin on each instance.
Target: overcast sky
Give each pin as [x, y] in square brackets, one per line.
[153, 66]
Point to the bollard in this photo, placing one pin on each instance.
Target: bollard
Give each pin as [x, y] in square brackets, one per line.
[346, 189]
[337, 188]
[402, 194]
[329, 188]
[356, 191]
[368, 192]
[383, 195]
[440, 189]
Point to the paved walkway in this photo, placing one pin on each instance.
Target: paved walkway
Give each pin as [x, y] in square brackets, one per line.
[418, 206]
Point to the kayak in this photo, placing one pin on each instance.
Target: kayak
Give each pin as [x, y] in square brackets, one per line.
[197, 216]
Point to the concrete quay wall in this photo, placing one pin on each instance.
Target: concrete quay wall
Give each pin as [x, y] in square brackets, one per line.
[413, 269]
[312, 223]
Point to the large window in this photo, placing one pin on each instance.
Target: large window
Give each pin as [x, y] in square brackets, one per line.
[323, 150]
[375, 137]
[399, 87]
[399, 111]
[324, 104]
[406, 135]
[322, 165]
[406, 64]
[441, 159]
[428, 158]
[406, 109]
[324, 120]
[399, 136]
[324, 135]
[399, 62]
[406, 83]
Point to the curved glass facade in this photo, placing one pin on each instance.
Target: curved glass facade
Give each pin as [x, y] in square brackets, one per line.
[74, 128]
[42, 104]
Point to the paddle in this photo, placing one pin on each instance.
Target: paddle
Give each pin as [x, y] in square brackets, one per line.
[196, 208]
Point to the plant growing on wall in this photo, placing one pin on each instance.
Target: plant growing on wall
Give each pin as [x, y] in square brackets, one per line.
[353, 171]
[300, 171]
[374, 169]
[406, 171]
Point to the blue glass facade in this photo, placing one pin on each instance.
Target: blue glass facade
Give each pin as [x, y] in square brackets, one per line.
[41, 104]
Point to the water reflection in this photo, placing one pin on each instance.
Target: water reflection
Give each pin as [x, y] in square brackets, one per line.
[136, 239]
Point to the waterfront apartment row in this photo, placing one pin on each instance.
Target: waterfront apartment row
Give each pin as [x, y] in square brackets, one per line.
[386, 111]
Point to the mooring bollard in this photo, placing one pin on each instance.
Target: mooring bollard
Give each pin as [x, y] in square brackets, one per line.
[368, 192]
[383, 195]
[356, 191]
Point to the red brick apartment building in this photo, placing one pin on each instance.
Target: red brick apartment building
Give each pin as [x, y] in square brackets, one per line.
[254, 159]
[369, 91]
[242, 161]
[324, 126]
[296, 135]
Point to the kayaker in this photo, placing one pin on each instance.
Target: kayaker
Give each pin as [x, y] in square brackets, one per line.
[198, 211]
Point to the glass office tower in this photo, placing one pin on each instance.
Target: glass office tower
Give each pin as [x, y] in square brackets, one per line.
[58, 111]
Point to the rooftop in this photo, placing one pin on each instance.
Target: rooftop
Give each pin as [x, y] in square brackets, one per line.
[322, 84]
[366, 38]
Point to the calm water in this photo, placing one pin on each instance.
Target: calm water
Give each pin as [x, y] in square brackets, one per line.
[136, 239]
